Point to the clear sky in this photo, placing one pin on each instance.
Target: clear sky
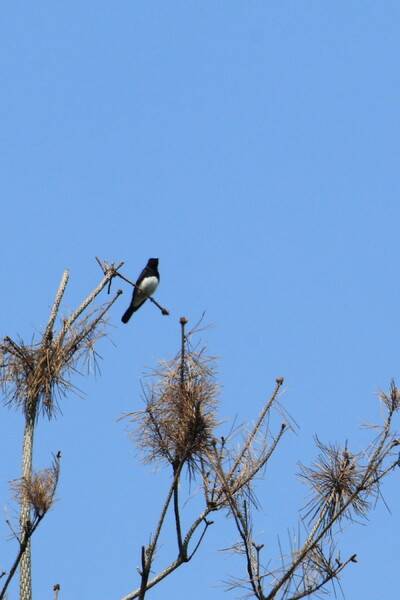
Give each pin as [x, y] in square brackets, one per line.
[253, 147]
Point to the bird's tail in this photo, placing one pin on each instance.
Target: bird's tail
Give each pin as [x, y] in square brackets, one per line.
[127, 314]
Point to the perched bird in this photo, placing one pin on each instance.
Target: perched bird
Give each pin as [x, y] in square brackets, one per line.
[147, 284]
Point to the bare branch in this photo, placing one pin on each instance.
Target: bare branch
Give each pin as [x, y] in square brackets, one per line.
[257, 426]
[48, 334]
[162, 309]
[111, 272]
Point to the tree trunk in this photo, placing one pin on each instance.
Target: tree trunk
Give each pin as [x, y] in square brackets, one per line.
[25, 592]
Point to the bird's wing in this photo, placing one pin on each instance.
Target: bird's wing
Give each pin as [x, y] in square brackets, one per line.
[139, 280]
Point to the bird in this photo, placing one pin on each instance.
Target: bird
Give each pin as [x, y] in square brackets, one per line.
[147, 283]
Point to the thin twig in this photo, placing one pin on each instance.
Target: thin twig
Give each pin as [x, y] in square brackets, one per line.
[56, 589]
[177, 514]
[56, 305]
[147, 557]
[313, 539]
[27, 534]
[332, 575]
[256, 427]
[163, 310]
[176, 563]
[203, 533]
[242, 528]
[112, 272]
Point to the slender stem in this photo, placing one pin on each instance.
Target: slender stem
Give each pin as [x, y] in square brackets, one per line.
[177, 514]
[195, 525]
[165, 508]
[308, 544]
[147, 554]
[56, 305]
[176, 563]
[112, 272]
[56, 589]
[25, 512]
[22, 548]
[262, 462]
[332, 575]
[255, 429]
[311, 541]
[203, 533]
[183, 322]
[242, 527]
[177, 465]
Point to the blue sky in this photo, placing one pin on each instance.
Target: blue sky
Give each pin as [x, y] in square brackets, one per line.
[254, 148]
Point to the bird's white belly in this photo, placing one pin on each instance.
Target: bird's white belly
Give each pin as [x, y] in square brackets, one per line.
[149, 286]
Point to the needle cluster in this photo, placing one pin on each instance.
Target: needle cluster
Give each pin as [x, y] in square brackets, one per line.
[177, 426]
[39, 373]
[337, 481]
[38, 489]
